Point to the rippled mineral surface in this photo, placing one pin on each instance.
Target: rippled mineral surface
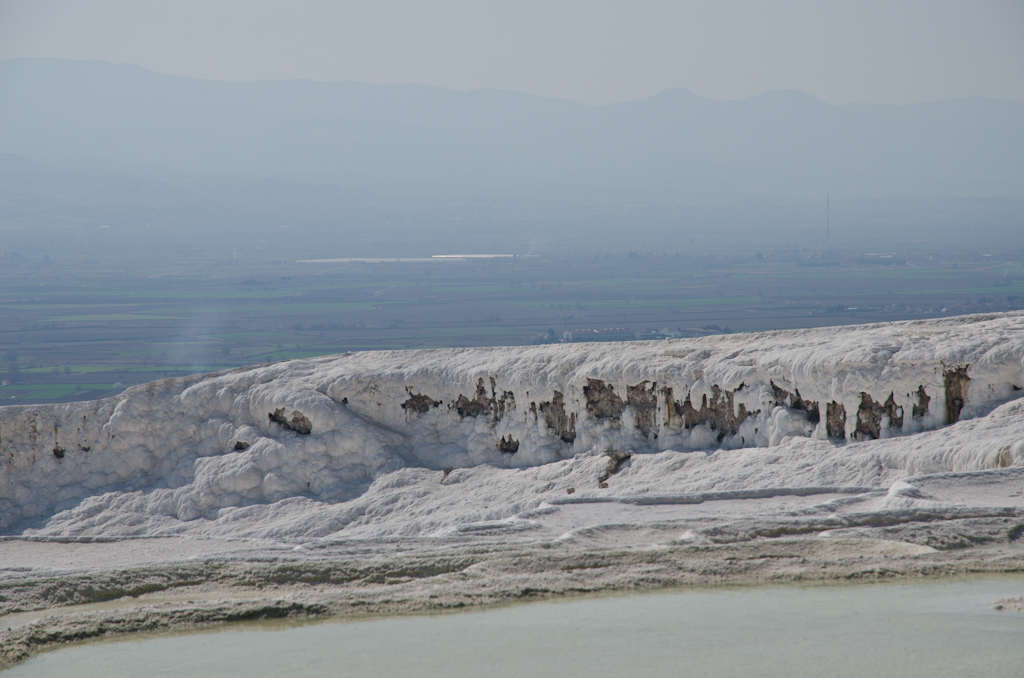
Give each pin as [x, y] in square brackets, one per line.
[388, 481]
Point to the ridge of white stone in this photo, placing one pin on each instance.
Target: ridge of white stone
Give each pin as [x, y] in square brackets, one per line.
[310, 445]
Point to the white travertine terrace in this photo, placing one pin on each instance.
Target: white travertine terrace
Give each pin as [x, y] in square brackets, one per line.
[318, 446]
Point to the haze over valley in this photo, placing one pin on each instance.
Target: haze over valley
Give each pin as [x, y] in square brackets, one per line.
[320, 311]
[153, 223]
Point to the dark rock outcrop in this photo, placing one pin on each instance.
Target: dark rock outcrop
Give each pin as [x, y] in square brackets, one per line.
[481, 403]
[870, 413]
[420, 404]
[835, 420]
[644, 402]
[615, 461]
[955, 380]
[602, 401]
[718, 413]
[510, 446]
[563, 425]
[794, 401]
[921, 408]
[299, 422]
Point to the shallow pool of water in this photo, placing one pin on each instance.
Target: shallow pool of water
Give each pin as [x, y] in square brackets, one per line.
[944, 628]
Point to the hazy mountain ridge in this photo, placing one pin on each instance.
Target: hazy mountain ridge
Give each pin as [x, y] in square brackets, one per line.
[48, 208]
[354, 133]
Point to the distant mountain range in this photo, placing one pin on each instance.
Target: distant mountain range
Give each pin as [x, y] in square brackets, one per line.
[420, 137]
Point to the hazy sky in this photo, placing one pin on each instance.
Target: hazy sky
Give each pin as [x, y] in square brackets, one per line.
[590, 51]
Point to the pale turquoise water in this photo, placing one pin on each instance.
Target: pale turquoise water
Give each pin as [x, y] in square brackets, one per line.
[933, 629]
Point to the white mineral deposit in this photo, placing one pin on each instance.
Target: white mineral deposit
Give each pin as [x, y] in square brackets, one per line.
[414, 480]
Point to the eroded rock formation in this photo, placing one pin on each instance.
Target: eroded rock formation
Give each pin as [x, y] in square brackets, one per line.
[718, 413]
[418, 403]
[602, 400]
[955, 381]
[835, 420]
[492, 405]
[561, 424]
[872, 417]
[299, 422]
[327, 427]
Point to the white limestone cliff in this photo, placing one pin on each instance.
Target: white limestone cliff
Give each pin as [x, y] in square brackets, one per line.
[183, 453]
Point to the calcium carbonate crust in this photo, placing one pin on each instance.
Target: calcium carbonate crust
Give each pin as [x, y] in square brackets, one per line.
[182, 454]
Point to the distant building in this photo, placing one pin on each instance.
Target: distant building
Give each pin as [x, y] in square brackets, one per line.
[652, 334]
[614, 334]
